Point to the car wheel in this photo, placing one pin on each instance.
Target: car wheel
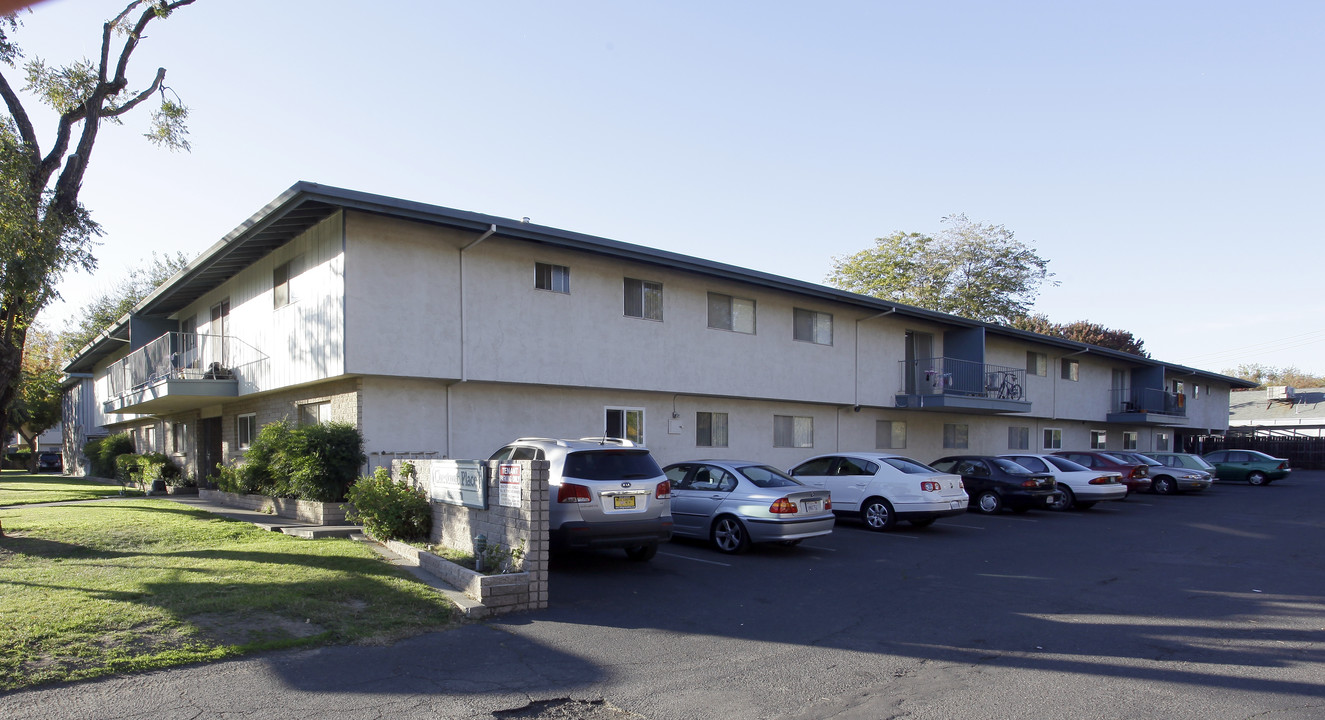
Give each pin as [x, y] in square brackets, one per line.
[926, 522]
[878, 514]
[642, 553]
[988, 502]
[1163, 485]
[1065, 499]
[1256, 478]
[729, 535]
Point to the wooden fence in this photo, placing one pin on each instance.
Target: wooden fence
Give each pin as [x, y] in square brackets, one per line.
[1306, 453]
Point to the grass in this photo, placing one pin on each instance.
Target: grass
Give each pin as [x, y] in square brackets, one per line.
[19, 487]
[129, 585]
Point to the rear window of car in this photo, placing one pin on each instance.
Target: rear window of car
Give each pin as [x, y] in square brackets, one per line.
[1066, 465]
[908, 466]
[1119, 459]
[1009, 467]
[610, 465]
[767, 477]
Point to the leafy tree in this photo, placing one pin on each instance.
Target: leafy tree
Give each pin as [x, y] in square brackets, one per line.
[110, 306]
[1083, 331]
[37, 404]
[1268, 376]
[44, 229]
[968, 269]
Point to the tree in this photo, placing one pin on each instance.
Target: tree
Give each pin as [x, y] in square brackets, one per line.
[1083, 331]
[44, 229]
[969, 269]
[108, 307]
[37, 403]
[1269, 376]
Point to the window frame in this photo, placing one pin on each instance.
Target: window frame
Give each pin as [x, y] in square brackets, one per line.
[626, 413]
[1051, 438]
[799, 425]
[816, 319]
[551, 277]
[956, 436]
[1070, 369]
[240, 424]
[304, 409]
[640, 291]
[1037, 363]
[1162, 442]
[731, 302]
[1099, 439]
[709, 433]
[282, 279]
[1023, 439]
[892, 432]
[1130, 439]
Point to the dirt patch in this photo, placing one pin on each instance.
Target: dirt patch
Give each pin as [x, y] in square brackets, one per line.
[242, 629]
[568, 709]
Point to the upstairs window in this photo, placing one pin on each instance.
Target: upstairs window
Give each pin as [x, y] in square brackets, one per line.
[1037, 364]
[812, 326]
[280, 281]
[1071, 370]
[731, 313]
[644, 299]
[553, 278]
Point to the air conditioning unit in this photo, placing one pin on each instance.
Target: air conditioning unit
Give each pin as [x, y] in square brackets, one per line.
[1281, 392]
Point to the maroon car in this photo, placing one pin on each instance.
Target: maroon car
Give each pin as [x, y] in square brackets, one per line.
[1136, 475]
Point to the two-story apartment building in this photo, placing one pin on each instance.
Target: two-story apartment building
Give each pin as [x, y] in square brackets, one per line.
[450, 332]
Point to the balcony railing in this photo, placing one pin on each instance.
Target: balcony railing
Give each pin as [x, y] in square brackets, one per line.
[1147, 400]
[181, 356]
[950, 376]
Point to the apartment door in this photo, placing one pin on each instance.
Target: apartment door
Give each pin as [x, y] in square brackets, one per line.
[919, 351]
[210, 451]
[220, 332]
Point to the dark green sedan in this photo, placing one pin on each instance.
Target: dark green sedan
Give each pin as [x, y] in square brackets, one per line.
[1252, 466]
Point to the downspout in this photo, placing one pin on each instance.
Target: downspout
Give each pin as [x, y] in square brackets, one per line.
[855, 401]
[464, 370]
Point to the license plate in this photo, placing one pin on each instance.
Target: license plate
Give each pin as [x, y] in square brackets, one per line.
[811, 505]
[624, 502]
[956, 504]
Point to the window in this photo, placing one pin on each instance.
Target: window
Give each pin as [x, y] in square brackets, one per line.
[1037, 364]
[246, 428]
[314, 413]
[1162, 442]
[1071, 370]
[1099, 440]
[1129, 440]
[956, 435]
[554, 278]
[793, 431]
[179, 437]
[149, 438]
[625, 423]
[811, 326]
[731, 313]
[1053, 439]
[1019, 438]
[1196, 391]
[711, 429]
[889, 434]
[644, 299]
[280, 281]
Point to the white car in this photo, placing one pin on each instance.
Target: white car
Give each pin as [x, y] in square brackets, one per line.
[881, 488]
[1078, 486]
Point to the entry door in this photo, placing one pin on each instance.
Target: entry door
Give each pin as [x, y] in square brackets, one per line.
[209, 450]
[919, 351]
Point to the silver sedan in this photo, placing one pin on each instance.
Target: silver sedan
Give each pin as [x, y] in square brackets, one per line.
[733, 503]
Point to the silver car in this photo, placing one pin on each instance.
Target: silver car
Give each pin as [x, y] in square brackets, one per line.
[1181, 471]
[733, 503]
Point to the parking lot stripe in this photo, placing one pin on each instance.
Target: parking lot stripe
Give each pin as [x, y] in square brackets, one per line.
[968, 527]
[687, 557]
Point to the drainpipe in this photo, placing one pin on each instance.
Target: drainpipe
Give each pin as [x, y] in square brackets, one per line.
[464, 369]
[855, 403]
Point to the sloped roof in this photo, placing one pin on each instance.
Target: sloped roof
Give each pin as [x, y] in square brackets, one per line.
[1255, 407]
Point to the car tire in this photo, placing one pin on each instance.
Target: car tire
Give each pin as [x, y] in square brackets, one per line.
[1066, 499]
[642, 553]
[925, 522]
[729, 535]
[878, 514]
[1256, 478]
[988, 502]
[1163, 485]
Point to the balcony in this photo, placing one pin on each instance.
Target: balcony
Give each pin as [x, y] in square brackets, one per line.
[948, 384]
[1147, 406]
[179, 371]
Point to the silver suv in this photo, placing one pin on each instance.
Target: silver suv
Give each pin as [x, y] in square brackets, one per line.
[606, 493]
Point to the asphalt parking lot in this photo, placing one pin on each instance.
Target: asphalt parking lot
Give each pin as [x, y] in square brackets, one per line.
[1190, 606]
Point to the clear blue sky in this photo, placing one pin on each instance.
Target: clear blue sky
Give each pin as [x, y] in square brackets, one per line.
[1166, 157]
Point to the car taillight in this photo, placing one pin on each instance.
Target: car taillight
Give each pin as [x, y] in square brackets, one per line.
[929, 486]
[664, 490]
[1139, 472]
[1030, 483]
[828, 504]
[782, 506]
[1282, 466]
[572, 493]
[1102, 480]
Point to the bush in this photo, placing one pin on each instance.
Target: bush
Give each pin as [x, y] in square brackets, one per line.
[314, 462]
[18, 460]
[388, 509]
[101, 453]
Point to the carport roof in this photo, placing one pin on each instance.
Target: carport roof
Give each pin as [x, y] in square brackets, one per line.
[305, 204]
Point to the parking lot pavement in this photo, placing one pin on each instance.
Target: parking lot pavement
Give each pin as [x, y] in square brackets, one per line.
[1188, 606]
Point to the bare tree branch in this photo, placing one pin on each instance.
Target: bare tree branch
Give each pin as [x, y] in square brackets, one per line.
[20, 114]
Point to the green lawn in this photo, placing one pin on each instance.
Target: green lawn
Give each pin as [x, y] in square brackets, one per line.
[19, 487]
[128, 585]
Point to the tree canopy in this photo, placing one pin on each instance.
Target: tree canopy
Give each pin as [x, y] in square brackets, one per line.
[44, 228]
[1269, 376]
[973, 270]
[1083, 331]
[108, 307]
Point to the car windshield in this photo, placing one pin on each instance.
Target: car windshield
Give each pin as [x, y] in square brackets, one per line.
[611, 465]
[1009, 467]
[767, 477]
[1200, 462]
[1147, 460]
[908, 466]
[1065, 465]
[1119, 458]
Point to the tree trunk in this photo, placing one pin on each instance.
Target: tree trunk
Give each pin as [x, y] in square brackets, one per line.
[11, 365]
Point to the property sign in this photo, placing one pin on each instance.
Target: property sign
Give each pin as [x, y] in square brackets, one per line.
[459, 482]
[508, 485]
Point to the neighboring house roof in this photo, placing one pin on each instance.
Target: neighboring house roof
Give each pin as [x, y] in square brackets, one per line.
[1257, 408]
[305, 204]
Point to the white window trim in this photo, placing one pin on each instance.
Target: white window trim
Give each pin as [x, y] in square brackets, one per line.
[553, 276]
[252, 433]
[1103, 438]
[1043, 438]
[625, 411]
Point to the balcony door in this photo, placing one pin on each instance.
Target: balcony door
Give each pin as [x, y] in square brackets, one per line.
[919, 352]
[219, 329]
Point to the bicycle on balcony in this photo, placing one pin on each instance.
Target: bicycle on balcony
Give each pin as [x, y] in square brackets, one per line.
[1003, 385]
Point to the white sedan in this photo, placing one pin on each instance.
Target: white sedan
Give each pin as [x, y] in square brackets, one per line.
[1078, 486]
[881, 488]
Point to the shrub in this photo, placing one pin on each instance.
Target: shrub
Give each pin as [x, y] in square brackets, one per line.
[101, 453]
[388, 509]
[314, 462]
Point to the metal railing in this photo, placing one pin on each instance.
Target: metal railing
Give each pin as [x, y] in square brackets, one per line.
[1147, 400]
[950, 376]
[184, 356]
